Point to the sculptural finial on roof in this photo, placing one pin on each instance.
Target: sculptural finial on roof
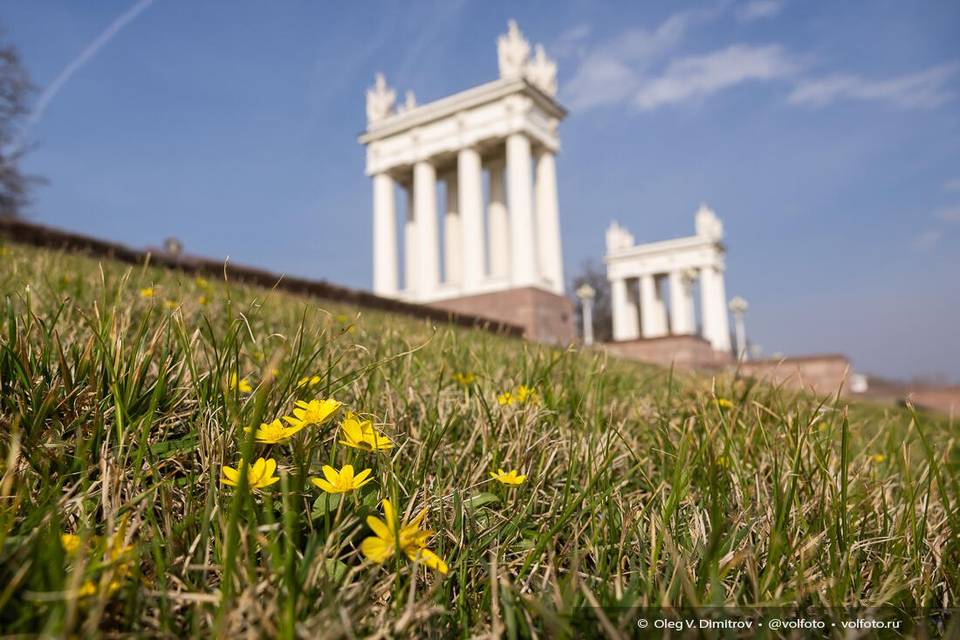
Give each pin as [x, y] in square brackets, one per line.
[618, 238]
[513, 50]
[513, 56]
[707, 223]
[380, 100]
[542, 72]
[409, 102]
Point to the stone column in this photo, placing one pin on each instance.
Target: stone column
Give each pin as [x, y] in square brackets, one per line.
[716, 329]
[411, 269]
[723, 320]
[384, 235]
[523, 252]
[653, 313]
[548, 221]
[470, 186]
[681, 304]
[425, 206]
[452, 235]
[498, 224]
[625, 325]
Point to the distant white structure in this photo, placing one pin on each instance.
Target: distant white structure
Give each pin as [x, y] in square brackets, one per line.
[738, 307]
[586, 293]
[508, 238]
[638, 274]
[859, 383]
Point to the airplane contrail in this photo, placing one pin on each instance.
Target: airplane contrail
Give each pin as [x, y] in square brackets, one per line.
[50, 92]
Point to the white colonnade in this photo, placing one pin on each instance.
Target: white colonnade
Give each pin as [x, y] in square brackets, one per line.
[509, 235]
[638, 275]
[502, 135]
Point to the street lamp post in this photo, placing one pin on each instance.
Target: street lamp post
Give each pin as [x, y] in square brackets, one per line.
[739, 308]
[586, 293]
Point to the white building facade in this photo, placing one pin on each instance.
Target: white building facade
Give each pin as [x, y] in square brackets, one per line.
[468, 184]
[652, 285]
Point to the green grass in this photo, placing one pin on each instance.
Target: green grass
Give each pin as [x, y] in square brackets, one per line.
[642, 490]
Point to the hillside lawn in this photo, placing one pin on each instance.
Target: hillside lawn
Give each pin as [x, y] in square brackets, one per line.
[644, 487]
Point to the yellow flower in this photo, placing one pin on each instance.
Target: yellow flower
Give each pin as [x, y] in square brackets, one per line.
[390, 537]
[170, 304]
[202, 283]
[526, 394]
[464, 379]
[360, 434]
[119, 554]
[274, 432]
[203, 301]
[70, 542]
[243, 385]
[723, 403]
[305, 381]
[260, 475]
[89, 587]
[510, 478]
[146, 292]
[878, 457]
[342, 319]
[521, 395]
[316, 412]
[341, 481]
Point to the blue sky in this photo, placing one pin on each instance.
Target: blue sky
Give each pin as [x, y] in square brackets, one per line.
[825, 135]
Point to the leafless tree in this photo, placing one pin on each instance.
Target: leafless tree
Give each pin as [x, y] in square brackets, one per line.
[15, 92]
[596, 277]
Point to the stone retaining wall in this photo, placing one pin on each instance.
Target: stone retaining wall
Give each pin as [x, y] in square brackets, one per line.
[23, 232]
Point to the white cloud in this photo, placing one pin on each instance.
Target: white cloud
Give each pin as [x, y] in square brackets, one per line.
[630, 69]
[698, 76]
[922, 90]
[622, 71]
[949, 214]
[926, 240]
[570, 41]
[952, 185]
[759, 9]
[611, 73]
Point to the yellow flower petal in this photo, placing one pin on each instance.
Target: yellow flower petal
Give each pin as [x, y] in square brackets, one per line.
[389, 514]
[230, 476]
[379, 527]
[330, 474]
[376, 549]
[323, 484]
[432, 560]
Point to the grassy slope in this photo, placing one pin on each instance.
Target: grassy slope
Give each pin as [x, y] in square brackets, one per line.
[640, 488]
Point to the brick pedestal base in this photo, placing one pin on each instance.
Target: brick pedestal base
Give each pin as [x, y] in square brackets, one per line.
[544, 316]
[685, 352]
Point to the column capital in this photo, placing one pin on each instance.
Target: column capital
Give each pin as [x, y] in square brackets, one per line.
[540, 150]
